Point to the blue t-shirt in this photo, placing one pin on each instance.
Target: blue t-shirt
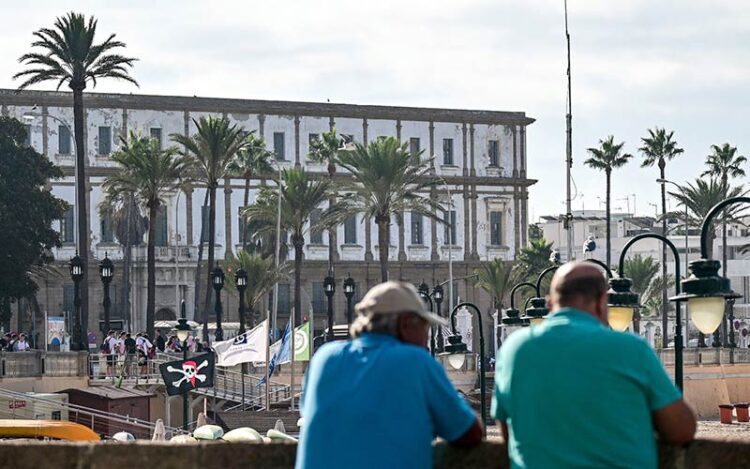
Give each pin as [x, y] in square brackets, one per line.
[375, 402]
[575, 393]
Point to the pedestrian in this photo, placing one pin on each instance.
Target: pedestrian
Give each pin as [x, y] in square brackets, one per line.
[572, 392]
[379, 400]
[160, 345]
[4, 341]
[21, 345]
[109, 349]
[130, 353]
[12, 342]
[146, 351]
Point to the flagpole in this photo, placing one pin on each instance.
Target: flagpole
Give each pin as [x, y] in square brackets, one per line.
[291, 350]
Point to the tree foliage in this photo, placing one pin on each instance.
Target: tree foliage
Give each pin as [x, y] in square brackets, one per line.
[641, 270]
[497, 278]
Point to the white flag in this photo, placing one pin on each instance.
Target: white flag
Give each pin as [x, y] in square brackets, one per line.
[248, 347]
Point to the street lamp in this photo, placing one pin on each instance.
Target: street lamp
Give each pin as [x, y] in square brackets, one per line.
[437, 293]
[513, 315]
[349, 287]
[106, 272]
[76, 273]
[182, 330]
[456, 351]
[240, 279]
[537, 312]
[329, 287]
[621, 303]
[217, 280]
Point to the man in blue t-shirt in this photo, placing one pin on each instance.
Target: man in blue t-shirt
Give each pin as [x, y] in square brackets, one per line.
[571, 392]
[379, 400]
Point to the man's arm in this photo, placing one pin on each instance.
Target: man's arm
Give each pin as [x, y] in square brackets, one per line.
[675, 423]
[472, 437]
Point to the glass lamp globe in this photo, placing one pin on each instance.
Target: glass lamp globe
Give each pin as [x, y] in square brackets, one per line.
[535, 321]
[182, 335]
[457, 360]
[620, 317]
[706, 312]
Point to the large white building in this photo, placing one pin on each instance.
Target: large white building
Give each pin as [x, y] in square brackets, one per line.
[480, 154]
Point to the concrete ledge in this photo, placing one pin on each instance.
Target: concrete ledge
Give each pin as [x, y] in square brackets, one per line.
[24, 454]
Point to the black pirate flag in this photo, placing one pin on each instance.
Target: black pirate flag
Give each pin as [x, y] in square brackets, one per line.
[180, 376]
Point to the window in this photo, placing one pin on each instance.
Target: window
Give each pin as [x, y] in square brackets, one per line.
[242, 230]
[204, 223]
[318, 298]
[350, 230]
[156, 134]
[107, 235]
[416, 228]
[496, 238]
[63, 140]
[493, 150]
[449, 219]
[311, 139]
[68, 296]
[27, 139]
[414, 146]
[161, 227]
[316, 236]
[278, 145]
[285, 306]
[105, 140]
[66, 226]
[448, 151]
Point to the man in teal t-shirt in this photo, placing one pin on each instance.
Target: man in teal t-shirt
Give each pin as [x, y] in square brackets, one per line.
[574, 393]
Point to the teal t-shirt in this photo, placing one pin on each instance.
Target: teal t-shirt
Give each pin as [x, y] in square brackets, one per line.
[375, 402]
[575, 393]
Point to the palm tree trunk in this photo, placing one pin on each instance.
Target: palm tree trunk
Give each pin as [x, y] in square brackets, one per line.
[299, 243]
[83, 232]
[197, 284]
[151, 270]
[383, 246]
[211, 242]
[608, 217]
[245, 202]
[126, 260]
[664, 316]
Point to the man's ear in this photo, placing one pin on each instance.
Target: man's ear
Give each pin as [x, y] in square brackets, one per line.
[549, 302]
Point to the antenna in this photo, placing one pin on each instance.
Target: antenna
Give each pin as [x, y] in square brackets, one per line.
[568, 150]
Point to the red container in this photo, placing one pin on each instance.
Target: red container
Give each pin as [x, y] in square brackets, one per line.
[742, 412]
[725, 413]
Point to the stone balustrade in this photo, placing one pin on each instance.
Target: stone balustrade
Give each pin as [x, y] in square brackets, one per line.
[38, 363]
[24, 454]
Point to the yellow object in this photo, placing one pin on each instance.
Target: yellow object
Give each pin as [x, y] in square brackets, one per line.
[536, 321]
[620, 317]
[57, 429]
[706, 312]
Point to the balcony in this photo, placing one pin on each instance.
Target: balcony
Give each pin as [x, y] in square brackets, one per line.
[168, 253]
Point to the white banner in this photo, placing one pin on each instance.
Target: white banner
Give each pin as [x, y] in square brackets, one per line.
[248, 347]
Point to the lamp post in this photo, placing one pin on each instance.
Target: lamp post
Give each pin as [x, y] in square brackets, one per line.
[705, 291]
[240, 279]
[456, 354]
[76, 273]
[513, 315]
[538, 310]
[106, 272]
[329, 287]
[183, 332]
[437, 293]
[217, 280]
[349, 287]
[424, 291]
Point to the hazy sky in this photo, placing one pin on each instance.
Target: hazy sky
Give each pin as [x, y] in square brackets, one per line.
[682, 64]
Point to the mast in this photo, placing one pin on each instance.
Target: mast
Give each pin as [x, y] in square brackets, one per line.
[568, 223]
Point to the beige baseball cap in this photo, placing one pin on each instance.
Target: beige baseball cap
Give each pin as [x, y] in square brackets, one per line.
[394, 298]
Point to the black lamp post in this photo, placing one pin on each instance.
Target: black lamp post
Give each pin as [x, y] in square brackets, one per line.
[183, 332]
[76, 273]
[106, 272]
[217, 280]
[349, 287]
[538, 310]
[424, 291]
[240, 279]
[329, 286]
[456, 354]
[705, 291]
[437, 293]
[513, 315]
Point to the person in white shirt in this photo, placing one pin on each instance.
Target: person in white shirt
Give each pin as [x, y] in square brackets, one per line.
[21, 345]
[111, 352]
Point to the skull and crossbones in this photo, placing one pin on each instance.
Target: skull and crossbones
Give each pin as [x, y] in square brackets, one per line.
[189, 372]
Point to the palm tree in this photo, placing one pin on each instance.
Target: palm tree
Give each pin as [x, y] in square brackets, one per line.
[657, 148]
[300, 196]
[261, 277]
[129, 225]
[212, 149]
[386, 180]
[149, 173]
[253, 160]
[641, 271]
[534, 258]
[68, 54]
[606, 158]
[497, 278]
[324, 149]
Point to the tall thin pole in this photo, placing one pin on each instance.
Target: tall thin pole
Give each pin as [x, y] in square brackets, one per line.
[275, 286]
[568, 152]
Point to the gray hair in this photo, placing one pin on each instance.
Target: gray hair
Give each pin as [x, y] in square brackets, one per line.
[375, 322]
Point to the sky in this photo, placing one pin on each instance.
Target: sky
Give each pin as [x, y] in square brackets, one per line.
[637, 64]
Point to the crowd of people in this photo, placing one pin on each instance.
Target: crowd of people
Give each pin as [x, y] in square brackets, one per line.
[14, 342]
[127, 356]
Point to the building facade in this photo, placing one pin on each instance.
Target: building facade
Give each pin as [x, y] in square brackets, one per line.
[481, 156]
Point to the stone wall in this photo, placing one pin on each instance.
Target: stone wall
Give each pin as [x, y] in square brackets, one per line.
[27, 454]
